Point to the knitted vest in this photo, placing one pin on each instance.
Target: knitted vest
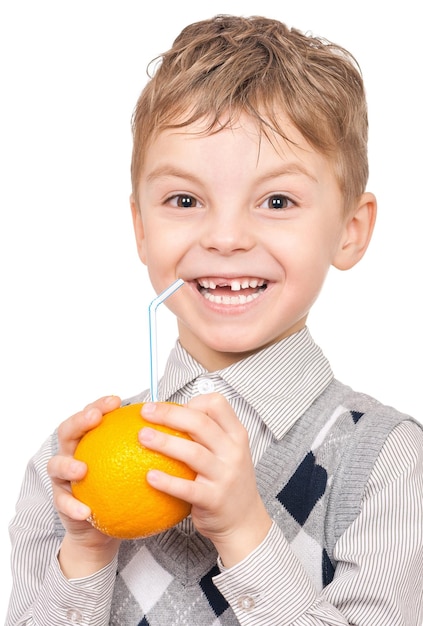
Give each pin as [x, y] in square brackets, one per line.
[311, 482]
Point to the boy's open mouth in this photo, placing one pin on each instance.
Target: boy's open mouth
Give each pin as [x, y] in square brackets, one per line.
[234, 291]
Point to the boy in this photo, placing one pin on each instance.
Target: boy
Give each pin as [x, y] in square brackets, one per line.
[249, 170]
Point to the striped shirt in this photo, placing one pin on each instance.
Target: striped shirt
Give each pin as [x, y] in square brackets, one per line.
[378, 579]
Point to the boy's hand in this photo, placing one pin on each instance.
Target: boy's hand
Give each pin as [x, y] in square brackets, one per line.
[226, 506]
[84, 550]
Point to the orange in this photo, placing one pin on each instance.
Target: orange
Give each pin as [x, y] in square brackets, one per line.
[115, 488]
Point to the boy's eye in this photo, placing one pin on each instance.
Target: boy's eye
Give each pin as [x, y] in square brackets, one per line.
[277, 201]
[184, 201]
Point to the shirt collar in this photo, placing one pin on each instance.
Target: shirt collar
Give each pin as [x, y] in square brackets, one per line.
[279, 382]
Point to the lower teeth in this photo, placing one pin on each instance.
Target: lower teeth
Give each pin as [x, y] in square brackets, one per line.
[234, 300]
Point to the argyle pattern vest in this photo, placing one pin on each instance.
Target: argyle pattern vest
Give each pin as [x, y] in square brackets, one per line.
[311, 482]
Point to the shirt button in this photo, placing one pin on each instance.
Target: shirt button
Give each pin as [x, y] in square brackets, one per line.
[74, 616]
[205, 385]
[246, 603]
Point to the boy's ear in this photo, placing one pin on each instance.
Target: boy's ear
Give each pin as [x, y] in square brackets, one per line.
[357, 232]
[138, 228]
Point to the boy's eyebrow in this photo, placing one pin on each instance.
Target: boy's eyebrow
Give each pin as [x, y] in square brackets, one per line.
[292, 168]
[170, 170]
[288, 169]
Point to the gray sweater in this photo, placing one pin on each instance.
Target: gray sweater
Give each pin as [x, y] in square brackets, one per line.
[311, 481]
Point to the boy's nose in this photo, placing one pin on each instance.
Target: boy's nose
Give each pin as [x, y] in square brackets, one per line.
[228, 232]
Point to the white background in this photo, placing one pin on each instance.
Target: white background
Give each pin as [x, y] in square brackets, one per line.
[74, 295]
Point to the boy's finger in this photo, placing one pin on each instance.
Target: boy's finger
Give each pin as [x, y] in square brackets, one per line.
[72, 429]
[197, 424]
[105, 404]
[210, 421]
[70, 506]
[65, 469]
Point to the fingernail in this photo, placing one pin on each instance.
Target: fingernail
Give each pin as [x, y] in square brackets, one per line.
[148, 408]
[75, 467]
[83, 511]
[91, 415]
[153, 477]
[146, 435]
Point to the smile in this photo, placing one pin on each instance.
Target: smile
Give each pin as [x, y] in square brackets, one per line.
[231, 291]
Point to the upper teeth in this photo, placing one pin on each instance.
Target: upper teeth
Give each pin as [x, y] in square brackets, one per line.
[235, 285]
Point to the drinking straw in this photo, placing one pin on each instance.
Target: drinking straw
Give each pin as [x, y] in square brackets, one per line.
[152, 309]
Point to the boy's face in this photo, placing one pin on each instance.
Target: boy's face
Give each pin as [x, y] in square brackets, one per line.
[251, 227]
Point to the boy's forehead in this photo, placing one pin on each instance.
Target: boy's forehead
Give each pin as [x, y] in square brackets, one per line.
[198, 152]
[285, 136]
[286, 142]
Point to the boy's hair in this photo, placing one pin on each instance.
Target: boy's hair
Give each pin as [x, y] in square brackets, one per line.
[224, 66]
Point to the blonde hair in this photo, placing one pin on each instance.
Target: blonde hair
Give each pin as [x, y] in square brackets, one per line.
[224, 66]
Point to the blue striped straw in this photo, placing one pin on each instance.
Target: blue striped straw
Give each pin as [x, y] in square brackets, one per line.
[152, 309]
